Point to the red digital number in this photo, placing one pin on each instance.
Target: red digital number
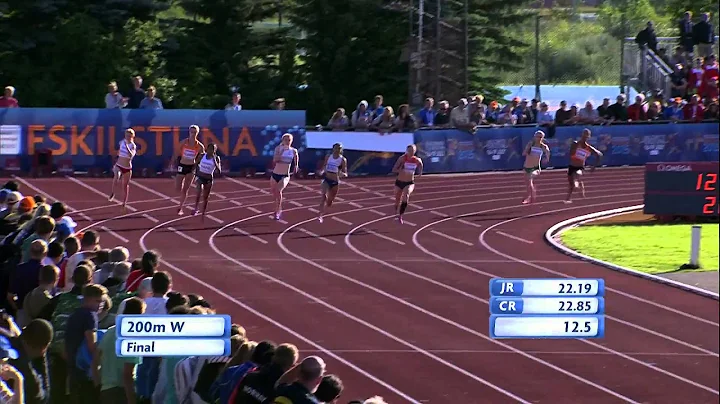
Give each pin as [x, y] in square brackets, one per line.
[706, 184]
[709, 207]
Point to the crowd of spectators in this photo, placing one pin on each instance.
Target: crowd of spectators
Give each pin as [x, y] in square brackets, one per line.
[61, 292]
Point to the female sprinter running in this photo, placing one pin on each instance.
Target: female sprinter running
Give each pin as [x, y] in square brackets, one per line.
[122, 170]
[535, 152]
[204, 175]
[285, 157]
[405, 167]
[335, 167]
[187, 154]
[579, 152]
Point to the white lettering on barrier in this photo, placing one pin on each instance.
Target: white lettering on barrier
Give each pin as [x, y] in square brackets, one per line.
[361, 141]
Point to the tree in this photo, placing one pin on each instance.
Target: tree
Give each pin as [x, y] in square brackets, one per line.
[351, 51]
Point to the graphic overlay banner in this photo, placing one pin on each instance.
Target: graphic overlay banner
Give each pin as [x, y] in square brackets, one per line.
[547, 308]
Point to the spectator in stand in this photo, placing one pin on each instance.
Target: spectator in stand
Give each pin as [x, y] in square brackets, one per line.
[329, 390]
[31, 346]
[234, 103]
[562, 115]
[588, 115]
[81, 327]
[711, 91]
[460, 115]
[522, 112]
[405, 121]
[618, 111]
[25, 278]
[647, 38]
[375, 400]
[113, 98]
[378, 108]
[687, 37]
[427, 114]
[174, 299]
[44, 228]
[258, 386]
[711, 113]
[361, 117]
[506, 116]
[442, 116]
[40, 297]
[8, 100]
[534, 108]
[298, 384]
[384, 123]
[151, 101]
[116, 282]
[89, 244]
[678, 58]
[695, 77]
[573, 115]
[259, 356]
[9, 374]
[55, 255]
[278, 104]
[704, 35]
[72, 246]
[694, 110]
[477, 113]
[150, 262]
[339, 121]
[662, 54]
[710, 72]
[544, 118]
[638, 110]
[161, 284]
[654, 111]
[604, 110]
[118, 373]
[678, 86]
[137, 95]
[674, 111]
[117, 255]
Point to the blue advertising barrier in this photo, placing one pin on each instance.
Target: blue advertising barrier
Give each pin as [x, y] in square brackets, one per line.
[487, 149]
[89, 137]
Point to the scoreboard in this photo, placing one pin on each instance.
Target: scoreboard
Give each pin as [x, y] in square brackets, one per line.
[547, 308]
[682, 189]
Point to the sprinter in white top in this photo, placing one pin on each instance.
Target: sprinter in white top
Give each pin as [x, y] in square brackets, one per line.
[335, 166]
[204, 176]
[535, 152]
[285, 158]
[127, 149]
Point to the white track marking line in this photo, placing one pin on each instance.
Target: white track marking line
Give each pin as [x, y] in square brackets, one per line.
[114, 234]
[343, 221]
[384, 237]
[97, 192]
[221, 196]
[469, 223]
[214, 219]
[263, 191]
[41, 192]
[451, 238]
[377, 212]
[150, 218]
[279, 221]
[414, 206]
[252, 236]
[317, 236]
[254, 210]
[236, 203]
[516, 238]
[480, 351]
[313, 210]
[183, 235]
[436, 213]
[154, 192]
[411, 224]
[295, 203]
[355, 204]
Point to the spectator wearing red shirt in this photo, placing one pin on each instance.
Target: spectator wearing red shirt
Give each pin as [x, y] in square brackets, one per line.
[7, 100]
[695, 76]
[711, 91]
[637, 111]
[694, 111]
[710, 71]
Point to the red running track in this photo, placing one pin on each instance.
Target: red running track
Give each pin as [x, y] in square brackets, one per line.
[401, 311]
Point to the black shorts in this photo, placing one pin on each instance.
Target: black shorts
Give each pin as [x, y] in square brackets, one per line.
[203, 180]
[572, 170]
[330, 183]
[403, 184]
[278, 177]
[185, 169]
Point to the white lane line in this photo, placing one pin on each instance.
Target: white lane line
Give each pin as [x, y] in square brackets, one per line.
[355, 204]
[469, 223]
[436, 213]
[384, 237]
[252, 236]
[451, 238]
[313, 210]
[154, 192]
[183, 235]
[236, 203]
[41, 192]
[150, 218]
[296, 203]
[480, 351]
[221, 196]
[97, 192]
[377, 212]
[279, 221]
[343, 221]
[214, 219]
[254, 210]
[114, 234]
[317, 236]
[411, 224]
[263, 191]
[417, 206]
[502, 233]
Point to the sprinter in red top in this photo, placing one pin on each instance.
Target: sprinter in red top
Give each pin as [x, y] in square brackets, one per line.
[188, 155]
[580, 150]
[405, 168]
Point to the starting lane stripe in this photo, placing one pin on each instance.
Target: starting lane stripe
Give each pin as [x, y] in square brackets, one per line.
[516, 238]
[451, 238]
[246, 234]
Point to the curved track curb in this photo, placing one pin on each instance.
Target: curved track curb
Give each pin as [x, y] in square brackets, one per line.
[559, 228]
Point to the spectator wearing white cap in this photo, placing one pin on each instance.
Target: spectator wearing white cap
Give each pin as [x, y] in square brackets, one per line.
[11, 204]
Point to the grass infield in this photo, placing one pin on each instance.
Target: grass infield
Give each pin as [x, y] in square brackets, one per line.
[649, 248]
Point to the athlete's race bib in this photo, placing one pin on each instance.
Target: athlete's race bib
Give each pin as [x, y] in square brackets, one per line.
[410, 167]
[180, 169]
